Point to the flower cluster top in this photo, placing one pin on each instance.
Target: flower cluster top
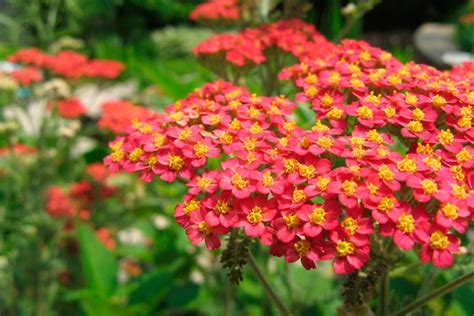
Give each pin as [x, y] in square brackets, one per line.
[68, 64]
[390, 154]
[250, 46]
[216, 10]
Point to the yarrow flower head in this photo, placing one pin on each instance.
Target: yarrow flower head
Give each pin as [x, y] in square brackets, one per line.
[390, 154]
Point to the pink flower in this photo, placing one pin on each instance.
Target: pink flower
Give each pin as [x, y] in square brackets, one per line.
[439, 248]
[200, 229]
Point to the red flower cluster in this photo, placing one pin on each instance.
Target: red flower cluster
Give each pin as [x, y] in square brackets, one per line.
[77, 200]
[18, 149]
[249, 46]
[69, 108]
[390, 154]
[463, 71]
[119, 116]
[68, 64]
[26, 76]
[216, 10]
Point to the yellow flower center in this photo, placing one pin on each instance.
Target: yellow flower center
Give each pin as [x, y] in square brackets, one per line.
[386, 204]
[394, 79]
[135, 155]
[291, 220]
[463, 155]
[356, 141]
[214, 119]
[311, 92]
[356, 83]
[191, 206]
[415, 126]
[322, 183]
[417, 114]
[317, 216]
[407, 165]
[226, 138]
[185, 134]
[324, 142]
[117, 155]
[406, 223]
[203, 182]
[255, 215]
[334, 78]
[411, 99]
[372, 98]
[235, 124]
[175, 163]
[385, 173]
[319, 127]
[250, 144]
[374, 136]
[305, 142]
[326, 101]
[256, 128]
[222, 207]
[373, 189]
[306, 171]
[200, 149]
[159, 140]
[450, 210]
[150, 161]
[238, 182]
[433, 162]
[438, 101]
[204, 228]
[289, 126]
[438, 240]
[458, 173]
[267, 179]
[311, 79]
[459, 191]
[365, 112]
[302, 247]
[445, 137]
[344, 248]
[290, 165]
[349, 187]
[298, 196]
[429, 187]
[350, 225]
[334, 114]
[389, 112]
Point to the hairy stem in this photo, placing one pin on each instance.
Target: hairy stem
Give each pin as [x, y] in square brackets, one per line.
[451, 286]
[267, 287]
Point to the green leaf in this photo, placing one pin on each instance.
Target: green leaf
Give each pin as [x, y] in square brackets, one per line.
[153, 287]
[98, 264]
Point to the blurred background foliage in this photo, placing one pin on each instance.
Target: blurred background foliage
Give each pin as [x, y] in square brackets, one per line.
[154, 39]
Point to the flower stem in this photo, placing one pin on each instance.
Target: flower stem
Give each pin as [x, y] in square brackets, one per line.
[383, 294]
[267, 287]
[440, 291]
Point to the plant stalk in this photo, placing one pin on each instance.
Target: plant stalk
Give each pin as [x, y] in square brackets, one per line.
[383, 294]
[267, 287]
[440, 291]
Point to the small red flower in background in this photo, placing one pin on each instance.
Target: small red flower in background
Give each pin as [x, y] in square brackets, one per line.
[70, 108]
[103, 234]
[26, 76]
[117, 116]
[216, 10]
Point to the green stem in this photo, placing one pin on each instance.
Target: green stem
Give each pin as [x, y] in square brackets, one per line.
[440, 291]
[383, 294]
[267, 287]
